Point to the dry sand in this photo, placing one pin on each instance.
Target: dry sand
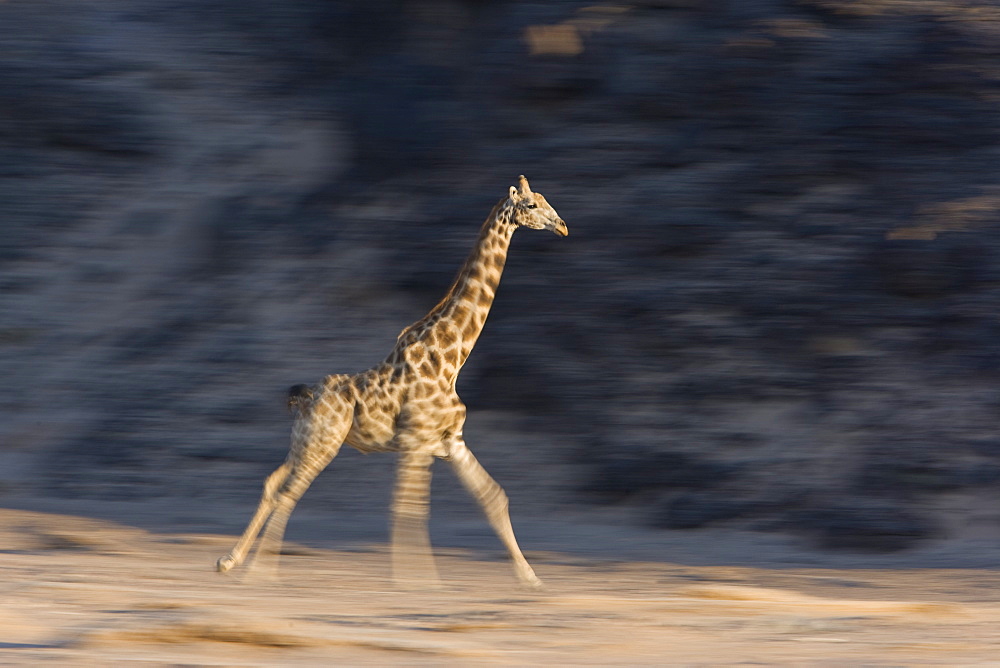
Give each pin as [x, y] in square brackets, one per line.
[92, 592]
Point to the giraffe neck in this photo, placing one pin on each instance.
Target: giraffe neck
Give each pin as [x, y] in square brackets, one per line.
[468, 301]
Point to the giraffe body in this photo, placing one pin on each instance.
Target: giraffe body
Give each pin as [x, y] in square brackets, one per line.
[407, 404]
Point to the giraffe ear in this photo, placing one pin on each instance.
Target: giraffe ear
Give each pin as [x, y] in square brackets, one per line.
[513, 194]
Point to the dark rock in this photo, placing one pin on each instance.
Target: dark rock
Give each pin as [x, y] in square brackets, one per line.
[684, 232]
[692, 510]
[620, 474]
[233, 452]
[404, 116]
[113, 443]
[908, 470]
[232, 232]
[41, 109]
[929, 268]
[511, 383]
[162, 339]
[144, 222]
[863, 526]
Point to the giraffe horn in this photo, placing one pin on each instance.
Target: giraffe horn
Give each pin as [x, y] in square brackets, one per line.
[523, 184]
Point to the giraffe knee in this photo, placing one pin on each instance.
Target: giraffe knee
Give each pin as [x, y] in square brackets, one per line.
[275, 480]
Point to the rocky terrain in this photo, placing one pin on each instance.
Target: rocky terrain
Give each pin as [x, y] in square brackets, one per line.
[775, 312]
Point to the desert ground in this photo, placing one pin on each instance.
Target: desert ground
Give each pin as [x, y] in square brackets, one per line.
[90, 591]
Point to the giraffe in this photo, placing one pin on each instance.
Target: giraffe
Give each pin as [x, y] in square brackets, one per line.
[407, 405]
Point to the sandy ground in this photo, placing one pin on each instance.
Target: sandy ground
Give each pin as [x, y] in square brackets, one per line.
[92, 592]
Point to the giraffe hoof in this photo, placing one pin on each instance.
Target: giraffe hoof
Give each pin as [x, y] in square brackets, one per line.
[225, 563]
[532, 583]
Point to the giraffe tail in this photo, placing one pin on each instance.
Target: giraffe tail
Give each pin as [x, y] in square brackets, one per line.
[299, 397]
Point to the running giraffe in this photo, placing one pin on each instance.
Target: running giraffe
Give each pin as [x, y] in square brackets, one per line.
[407, 404]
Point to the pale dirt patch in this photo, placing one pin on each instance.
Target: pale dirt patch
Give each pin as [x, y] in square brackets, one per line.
[83, 599]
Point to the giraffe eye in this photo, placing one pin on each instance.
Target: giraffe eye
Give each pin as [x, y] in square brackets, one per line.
[532, 206]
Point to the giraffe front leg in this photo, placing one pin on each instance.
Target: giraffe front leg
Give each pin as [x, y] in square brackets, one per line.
[412, 559]
[493, 500]
[264, 510]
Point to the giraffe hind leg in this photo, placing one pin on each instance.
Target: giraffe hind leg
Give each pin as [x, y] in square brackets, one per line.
[318, 432]
[265, 561]
[493, 500]
[264, 510]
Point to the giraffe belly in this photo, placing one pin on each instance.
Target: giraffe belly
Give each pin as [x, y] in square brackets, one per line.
[372, 435]
[368, 447]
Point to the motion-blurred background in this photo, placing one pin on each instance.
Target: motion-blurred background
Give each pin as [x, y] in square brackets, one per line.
[776, 309]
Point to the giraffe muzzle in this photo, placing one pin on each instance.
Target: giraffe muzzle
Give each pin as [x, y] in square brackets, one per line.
[560, 228]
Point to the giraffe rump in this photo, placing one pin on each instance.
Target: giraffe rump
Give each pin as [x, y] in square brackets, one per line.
[299, 397]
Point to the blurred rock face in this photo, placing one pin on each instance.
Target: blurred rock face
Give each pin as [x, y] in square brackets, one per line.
[778, 303]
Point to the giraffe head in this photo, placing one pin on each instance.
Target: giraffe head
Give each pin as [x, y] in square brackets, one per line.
[529, 209]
